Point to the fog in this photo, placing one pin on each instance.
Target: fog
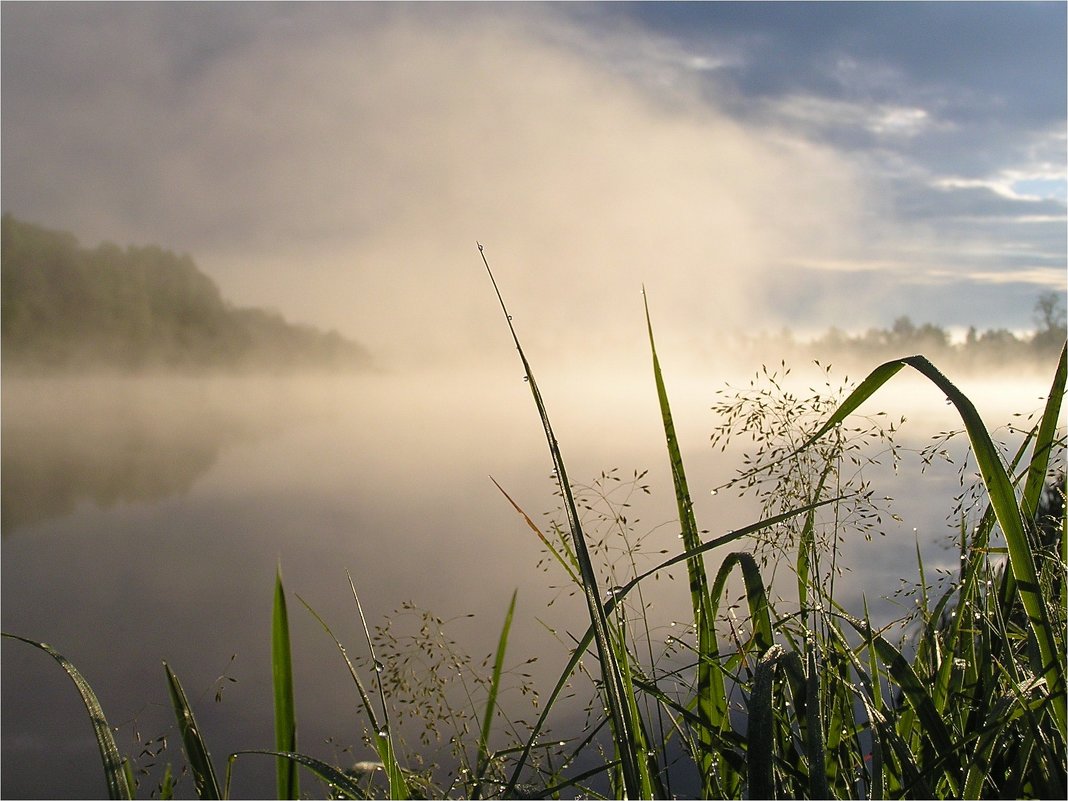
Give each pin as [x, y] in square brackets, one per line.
[144, 520]
[345, 176]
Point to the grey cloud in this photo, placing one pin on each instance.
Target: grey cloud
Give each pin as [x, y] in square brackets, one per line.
[885, 52]
[857, 300]
[915, 200]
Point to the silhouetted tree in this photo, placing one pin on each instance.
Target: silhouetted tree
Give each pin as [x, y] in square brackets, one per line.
[1051, 320]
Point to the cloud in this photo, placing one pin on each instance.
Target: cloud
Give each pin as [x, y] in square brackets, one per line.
[833, 117]
[344, 175]
[338, 161]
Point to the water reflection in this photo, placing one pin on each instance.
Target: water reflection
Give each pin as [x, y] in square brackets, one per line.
[150, 517]
[109, 442]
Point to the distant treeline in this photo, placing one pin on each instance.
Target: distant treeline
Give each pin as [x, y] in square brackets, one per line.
[992, 348]
[68, 307]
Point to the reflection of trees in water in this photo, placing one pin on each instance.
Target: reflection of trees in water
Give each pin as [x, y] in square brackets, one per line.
[64, 443]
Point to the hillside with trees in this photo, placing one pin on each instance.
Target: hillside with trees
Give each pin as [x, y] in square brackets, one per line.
[67, 307]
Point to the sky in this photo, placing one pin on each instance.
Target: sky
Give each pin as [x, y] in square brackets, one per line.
[754, 165]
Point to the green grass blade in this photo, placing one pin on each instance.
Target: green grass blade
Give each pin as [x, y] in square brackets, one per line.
[623, 726]
[166, 786]
[341, 784]
[114, 774]
[285, 716]
[196, 751]
[755, 594]
[482, 762]
[708, 683]
[1046, 436]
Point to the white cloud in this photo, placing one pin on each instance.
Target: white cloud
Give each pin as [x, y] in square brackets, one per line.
[826, 113]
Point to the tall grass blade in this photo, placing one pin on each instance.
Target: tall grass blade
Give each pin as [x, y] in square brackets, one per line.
[1044, 439]
[623, 726]
[196, 751]
[114, 773]
[709, 680]
[285, 716]
[482, 761]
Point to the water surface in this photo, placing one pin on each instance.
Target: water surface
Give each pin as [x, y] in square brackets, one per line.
[144, 520]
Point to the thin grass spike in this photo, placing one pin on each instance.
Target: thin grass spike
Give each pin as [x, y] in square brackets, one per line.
[632, 764]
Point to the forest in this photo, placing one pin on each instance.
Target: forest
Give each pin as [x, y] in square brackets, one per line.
[66, 307]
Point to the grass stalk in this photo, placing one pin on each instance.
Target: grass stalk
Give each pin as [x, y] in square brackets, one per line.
[483, 758]
[285, 717]
[615, 689]
[710, 688]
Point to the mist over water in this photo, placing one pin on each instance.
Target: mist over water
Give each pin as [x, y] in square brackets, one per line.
[144, 520]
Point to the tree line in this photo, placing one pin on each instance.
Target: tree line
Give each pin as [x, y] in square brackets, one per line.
[987, 349]
[67, 307]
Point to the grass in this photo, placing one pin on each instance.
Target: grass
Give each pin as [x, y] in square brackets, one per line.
[807, 700]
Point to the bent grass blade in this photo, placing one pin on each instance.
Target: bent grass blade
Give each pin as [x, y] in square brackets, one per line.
[1002, 496]
[114, 772]
[340, 783]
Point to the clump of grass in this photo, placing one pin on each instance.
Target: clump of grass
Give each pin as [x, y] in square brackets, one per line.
[755, 700]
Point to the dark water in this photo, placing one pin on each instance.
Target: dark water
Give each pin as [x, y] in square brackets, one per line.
[144, 520]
